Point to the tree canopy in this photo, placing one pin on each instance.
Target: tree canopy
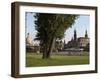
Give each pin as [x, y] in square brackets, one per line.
[51, 27]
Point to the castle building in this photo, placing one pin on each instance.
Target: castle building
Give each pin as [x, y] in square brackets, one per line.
[80, 42]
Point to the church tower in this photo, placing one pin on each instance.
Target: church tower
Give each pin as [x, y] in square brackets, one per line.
[64, 42]
[75, 35]
[86, 35]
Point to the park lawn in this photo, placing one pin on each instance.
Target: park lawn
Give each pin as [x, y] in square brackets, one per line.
[55, 60]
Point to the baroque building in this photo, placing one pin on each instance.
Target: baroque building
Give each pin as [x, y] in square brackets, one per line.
[78, 42]
[31, 45]
[29, 40]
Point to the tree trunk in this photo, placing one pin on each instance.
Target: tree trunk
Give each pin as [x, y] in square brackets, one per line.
[51, 47]
[44, 56]
[47, 48]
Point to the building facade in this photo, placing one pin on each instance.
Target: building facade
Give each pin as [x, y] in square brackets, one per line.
[78, 42]
[31, 45]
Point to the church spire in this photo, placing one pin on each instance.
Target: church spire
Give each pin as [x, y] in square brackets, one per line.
[86, 35]
[72, 39]
[64, 42]
[75, 35]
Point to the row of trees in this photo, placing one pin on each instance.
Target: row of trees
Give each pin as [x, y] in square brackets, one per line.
[51, 27]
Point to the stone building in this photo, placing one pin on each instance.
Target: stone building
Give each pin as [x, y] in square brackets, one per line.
[29, 40]
[59, 45]
[78, 42]
[31, 45]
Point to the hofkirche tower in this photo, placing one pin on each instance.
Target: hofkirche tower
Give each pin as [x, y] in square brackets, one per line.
[75, 35]
[78, 42]
[86, 35]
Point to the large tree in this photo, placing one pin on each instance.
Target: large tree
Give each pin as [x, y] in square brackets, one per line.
[51, 27]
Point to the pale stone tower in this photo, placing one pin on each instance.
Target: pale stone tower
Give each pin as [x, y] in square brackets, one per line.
[29, 40]
[86, 35]
[75, 35]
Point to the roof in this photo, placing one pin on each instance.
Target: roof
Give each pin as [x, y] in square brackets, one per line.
[83, 38]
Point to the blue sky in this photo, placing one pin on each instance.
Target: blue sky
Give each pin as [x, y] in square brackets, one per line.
[81, 25]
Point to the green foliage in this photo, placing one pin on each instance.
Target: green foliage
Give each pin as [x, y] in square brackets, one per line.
[50, 27]
[53, 24]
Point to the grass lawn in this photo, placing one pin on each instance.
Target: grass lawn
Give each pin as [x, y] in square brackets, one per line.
[33, 60]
